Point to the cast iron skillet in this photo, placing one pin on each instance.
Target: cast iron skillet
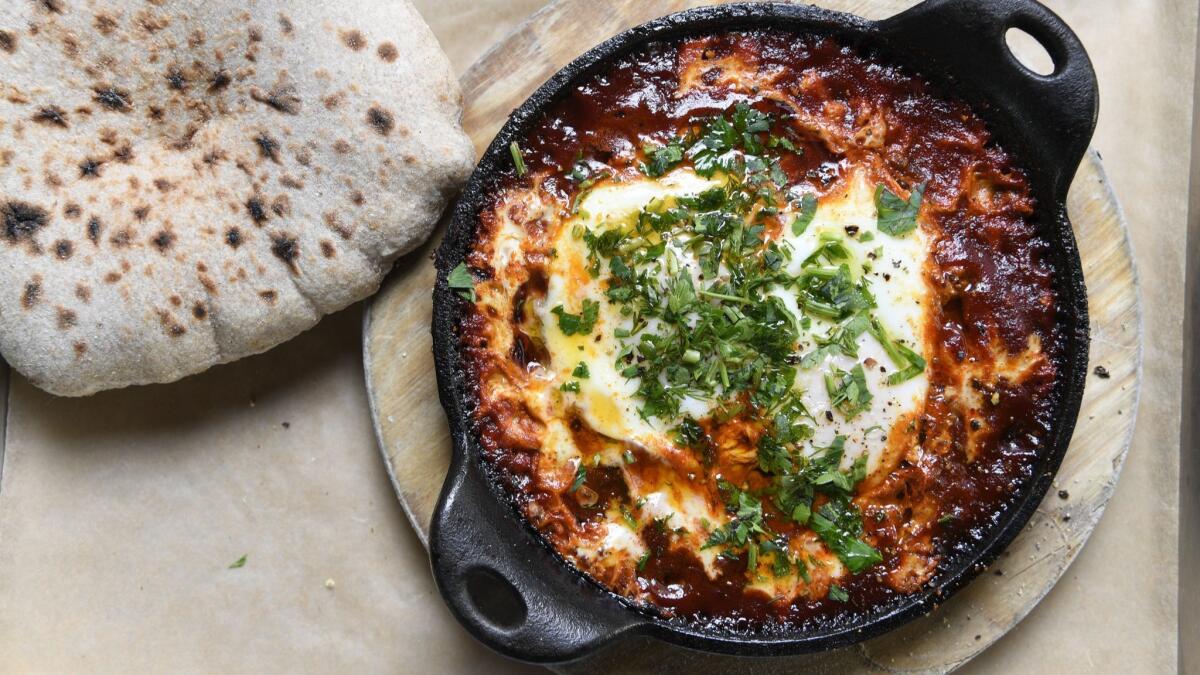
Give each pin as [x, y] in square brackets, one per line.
[497, 575]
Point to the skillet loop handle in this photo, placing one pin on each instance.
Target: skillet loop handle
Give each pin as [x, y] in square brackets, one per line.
[966, 39]
[506, 588]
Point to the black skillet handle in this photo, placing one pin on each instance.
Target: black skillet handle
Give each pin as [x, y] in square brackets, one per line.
[506, 588]
[966, 39]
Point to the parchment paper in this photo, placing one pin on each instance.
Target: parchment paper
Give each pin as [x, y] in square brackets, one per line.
[120, 515]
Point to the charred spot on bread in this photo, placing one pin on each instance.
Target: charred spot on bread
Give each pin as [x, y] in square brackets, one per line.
[354, 40]
[121, 238]
[67, 318]
[8, 42]
[170, 324]
[387, 52]
[268, 147]
[105, 24]
[219, 80]
[113, 98]
[163, 241]
[90, 168]
[257, 210]
[282, 97]
[51, 115]
[52, 6]
[22, 220]
[286, 248]
[176, 79]
[32, 292]
[380, 120]
[93, 230]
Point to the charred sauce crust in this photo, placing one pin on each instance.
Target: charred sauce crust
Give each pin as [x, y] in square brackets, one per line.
[989, 277]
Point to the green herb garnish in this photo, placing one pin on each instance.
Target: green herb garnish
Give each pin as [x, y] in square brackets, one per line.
[839, 524]
[808, 209]
[460, 281]
[578, 324]
[627, 516]
[896, 216]
[692, 278]
[662, 158]
[518, 160]
[848, 390]
[580, 477]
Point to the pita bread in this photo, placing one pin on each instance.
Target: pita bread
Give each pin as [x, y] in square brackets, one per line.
[187, 182]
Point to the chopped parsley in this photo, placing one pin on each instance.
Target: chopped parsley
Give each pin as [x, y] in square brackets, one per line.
[848, 390]
[627, 516]
[839, 524]
[581, 371]
[460, 281]
[808, 209]
[838, 593]
[240, 562]
[747, 520]
[897, 217]
[580, 477]
[578, 324]
[692, 278]
[662, 158]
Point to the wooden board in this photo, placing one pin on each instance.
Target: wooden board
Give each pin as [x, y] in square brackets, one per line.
[415, 442]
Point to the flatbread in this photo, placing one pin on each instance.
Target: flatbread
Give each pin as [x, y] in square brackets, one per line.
[187, 182]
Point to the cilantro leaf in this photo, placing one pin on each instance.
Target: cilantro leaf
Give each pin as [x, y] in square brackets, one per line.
[747, 521]
[896, 216]
[578, 324]
[662, 158]
[580, 477]
[461, 281]
[715, 150]
[682, 295]
[848, 391]
[839, 524]
[916, 365]
[909, 363]
[808, 209]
